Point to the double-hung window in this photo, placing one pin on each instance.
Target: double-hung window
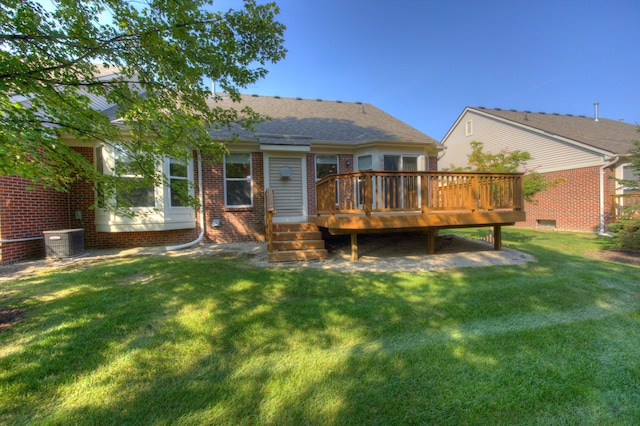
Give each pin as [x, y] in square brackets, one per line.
[326, 165]
[136, 191]
[178, 182]
[365, 162]
[237, 180]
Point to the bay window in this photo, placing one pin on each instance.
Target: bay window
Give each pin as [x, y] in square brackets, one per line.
[155, 208]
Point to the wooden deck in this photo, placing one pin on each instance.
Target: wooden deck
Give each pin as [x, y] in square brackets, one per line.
[625, 205]
[376, 201]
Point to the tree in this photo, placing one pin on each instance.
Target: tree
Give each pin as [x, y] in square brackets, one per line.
[164, 51]
[634, 164]
[509, 162]
[626, 229]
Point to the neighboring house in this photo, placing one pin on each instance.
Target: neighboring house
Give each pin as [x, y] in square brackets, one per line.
[303, 141]
[585, 152]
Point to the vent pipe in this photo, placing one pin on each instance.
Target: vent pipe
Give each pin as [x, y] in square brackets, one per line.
[595, 105]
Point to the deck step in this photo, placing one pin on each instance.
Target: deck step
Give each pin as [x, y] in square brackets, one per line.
[296, 255]
[297, 245]
[298, 235]
[295, 227]
[295, 242]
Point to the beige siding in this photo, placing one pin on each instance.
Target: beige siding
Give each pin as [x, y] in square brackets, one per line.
[549, 153]
[288, 192]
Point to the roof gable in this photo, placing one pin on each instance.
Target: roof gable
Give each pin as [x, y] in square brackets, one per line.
[609, 135]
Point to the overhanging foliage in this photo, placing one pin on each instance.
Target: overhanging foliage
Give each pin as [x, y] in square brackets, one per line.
[165, 54]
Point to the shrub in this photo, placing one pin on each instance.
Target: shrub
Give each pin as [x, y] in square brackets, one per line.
[626, 232]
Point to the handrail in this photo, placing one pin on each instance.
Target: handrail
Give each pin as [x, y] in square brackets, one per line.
[270, 210]
[625, 205]
[395, 191]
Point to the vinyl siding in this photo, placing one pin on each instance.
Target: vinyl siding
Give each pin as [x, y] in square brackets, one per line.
[549, 153]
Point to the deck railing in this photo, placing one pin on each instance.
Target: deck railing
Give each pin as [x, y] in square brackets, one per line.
[378, 191]
[625, 205]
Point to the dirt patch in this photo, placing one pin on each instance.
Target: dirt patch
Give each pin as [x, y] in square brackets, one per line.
[631, 257]
[9, 315]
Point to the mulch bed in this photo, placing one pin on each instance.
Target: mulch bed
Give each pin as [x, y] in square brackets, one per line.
[631, 257]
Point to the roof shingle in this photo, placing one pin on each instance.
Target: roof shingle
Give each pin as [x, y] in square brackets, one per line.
[322, 120]
[614, 136]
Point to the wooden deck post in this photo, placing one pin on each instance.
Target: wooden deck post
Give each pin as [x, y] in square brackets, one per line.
[431, 241]
[497, 237]
[270, 205]
[354, 246]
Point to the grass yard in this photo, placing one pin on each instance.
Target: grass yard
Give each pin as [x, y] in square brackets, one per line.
[171, 340]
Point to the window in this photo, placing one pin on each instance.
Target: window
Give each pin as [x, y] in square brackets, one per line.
[401, 191]
[237, 176]
[178, 182]
[154, 203]
[326, 165]
[392, 162]
[468, 128]
[628, 173]
[365, 162]
[398, 162]
[410, 164]
[137, 191]
[546, 224]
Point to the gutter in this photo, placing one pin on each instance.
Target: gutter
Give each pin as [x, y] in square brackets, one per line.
[604, 166]
[201, 195]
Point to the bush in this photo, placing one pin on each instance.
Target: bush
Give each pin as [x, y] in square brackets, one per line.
[626, 233]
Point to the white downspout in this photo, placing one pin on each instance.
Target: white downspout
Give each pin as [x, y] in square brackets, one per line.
[604, 166]
[201, 195]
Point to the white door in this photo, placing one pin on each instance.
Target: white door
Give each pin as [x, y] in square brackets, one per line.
[285, 177]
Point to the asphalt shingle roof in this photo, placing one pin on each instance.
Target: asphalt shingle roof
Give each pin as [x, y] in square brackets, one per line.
[323, 120]
[614, 136]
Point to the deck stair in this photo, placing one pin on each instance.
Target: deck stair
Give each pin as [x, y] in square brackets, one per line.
[296, 241]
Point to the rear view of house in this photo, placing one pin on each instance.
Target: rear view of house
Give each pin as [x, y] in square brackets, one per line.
[585, 152]
[303, 141]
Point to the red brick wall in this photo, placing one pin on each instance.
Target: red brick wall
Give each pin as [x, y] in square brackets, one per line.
[433, 164]
[236, 224]
[574, 204]
[25, 213]
[311, 183]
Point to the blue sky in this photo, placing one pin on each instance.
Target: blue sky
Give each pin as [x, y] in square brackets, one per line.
[423, 61]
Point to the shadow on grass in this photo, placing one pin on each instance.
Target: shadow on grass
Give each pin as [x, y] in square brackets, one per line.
[208, 341]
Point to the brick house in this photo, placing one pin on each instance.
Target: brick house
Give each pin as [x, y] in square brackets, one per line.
[584, 151]
[303, 141]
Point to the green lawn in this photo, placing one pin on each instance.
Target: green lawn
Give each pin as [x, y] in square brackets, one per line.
[172, 340]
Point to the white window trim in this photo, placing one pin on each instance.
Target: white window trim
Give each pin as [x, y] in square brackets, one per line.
[248, 178]
[468, 128]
